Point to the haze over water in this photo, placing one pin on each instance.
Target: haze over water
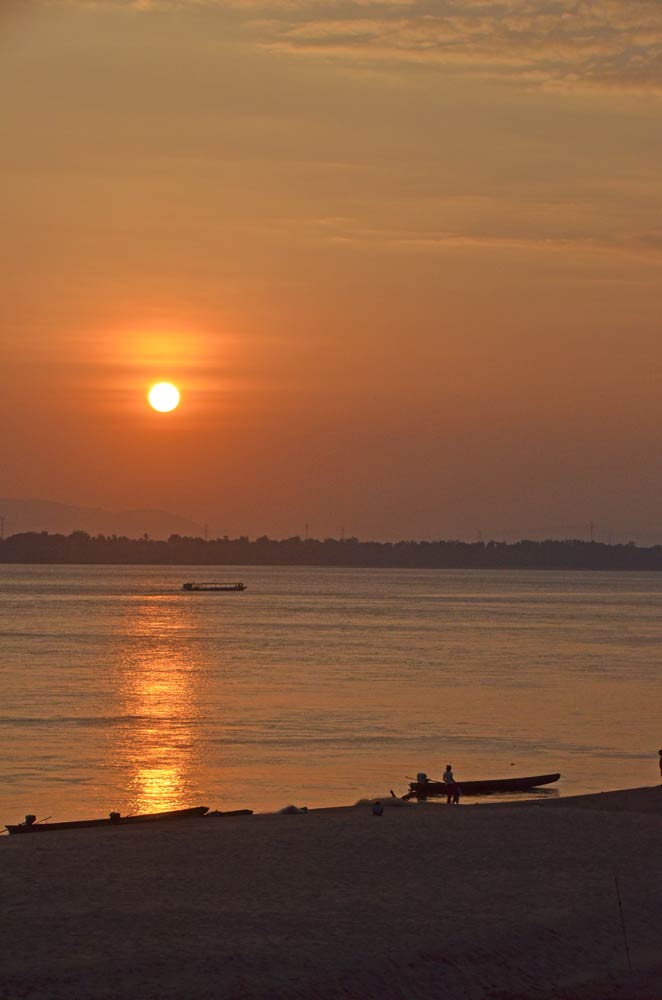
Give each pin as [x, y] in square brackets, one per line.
[317, 686]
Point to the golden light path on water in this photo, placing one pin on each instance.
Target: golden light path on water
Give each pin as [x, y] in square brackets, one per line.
[318, 687]
[159, 691]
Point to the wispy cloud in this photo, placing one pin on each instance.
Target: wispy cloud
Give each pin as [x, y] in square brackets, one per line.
[348, 231]
[562, 43]
[559, 43]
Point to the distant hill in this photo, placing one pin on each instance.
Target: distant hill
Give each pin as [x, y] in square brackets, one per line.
[45, 515]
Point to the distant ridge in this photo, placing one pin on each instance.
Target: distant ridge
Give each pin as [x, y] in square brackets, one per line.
[46, 515]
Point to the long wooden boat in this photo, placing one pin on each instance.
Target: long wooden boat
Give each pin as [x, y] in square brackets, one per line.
[210, 588]
[115, 819]
[229, 812]
[427, 789]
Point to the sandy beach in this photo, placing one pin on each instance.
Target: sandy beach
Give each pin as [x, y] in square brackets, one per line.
[506, 902]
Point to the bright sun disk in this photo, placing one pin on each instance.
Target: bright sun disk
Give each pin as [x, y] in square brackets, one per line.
[163, 397]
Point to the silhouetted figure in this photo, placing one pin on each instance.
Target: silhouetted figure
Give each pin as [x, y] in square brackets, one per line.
[377, 809]
[452, 792]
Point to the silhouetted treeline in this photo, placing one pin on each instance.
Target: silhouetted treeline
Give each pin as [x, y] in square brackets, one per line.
[79, 547]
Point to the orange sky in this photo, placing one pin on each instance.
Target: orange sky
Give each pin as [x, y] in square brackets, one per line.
[403, 260]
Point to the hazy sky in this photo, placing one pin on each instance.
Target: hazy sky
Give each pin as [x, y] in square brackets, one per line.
[403, 260]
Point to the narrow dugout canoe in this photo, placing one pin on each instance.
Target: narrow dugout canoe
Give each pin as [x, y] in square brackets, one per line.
[115, 819]
[427, 789]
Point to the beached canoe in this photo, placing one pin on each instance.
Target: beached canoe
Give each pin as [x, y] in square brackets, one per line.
[115, 819]
[427, 789]
[229, 812]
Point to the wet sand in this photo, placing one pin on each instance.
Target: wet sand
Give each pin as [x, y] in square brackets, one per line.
[506, 902]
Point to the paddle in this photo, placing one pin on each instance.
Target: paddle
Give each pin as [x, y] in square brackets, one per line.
[434, 781]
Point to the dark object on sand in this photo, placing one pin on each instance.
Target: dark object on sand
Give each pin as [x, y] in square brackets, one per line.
[115, 819]
[430, 789]
[207, 588]
[230, 812]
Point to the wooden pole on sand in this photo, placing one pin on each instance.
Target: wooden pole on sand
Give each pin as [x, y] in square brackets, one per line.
[623, 927]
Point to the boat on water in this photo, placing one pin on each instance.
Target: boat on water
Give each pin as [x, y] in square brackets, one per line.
[115, 819]
[206, 588]
[430, 789]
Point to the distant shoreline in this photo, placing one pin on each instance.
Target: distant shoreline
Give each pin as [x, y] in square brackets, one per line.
[79, 548]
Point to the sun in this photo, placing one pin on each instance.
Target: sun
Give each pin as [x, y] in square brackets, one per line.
[163, 397]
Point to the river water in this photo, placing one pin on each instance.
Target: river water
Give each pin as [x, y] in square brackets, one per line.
[318, 686]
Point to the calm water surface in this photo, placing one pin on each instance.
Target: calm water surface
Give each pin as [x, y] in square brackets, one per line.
[317, 686]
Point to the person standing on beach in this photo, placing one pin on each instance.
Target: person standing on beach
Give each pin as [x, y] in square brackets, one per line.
[452, 797]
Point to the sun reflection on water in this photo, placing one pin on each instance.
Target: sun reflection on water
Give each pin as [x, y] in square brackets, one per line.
[160, 699]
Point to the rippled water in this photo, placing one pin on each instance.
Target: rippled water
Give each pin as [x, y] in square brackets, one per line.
[317, 686]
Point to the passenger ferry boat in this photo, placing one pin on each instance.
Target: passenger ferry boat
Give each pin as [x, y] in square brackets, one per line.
[205, 588]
